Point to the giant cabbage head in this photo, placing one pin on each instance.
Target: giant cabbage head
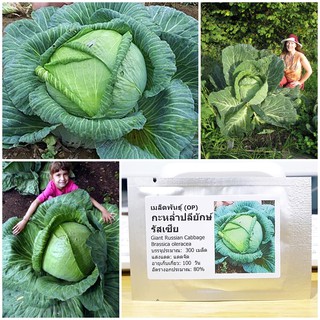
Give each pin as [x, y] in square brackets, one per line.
[246, 92]
[244, 236]
[65, 263]
[118, 77]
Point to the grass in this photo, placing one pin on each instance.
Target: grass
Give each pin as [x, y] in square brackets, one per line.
[278, 144]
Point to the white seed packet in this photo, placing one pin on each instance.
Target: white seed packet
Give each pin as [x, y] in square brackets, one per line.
[206, 239]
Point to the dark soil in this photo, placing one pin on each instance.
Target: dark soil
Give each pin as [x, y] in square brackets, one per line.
[228, 268]
[39, 150]
[99, 179]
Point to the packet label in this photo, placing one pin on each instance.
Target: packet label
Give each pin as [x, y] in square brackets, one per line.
[212, 237]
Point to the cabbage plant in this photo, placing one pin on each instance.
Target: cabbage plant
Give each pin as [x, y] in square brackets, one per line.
[117, 77]
[21, 176]
[64, 264]
[244, 236]
[246, 92]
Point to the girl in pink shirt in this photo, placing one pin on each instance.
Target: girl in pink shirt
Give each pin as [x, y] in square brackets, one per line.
[59, 184]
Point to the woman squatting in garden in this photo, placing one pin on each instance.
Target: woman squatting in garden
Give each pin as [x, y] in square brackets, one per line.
[294, 63]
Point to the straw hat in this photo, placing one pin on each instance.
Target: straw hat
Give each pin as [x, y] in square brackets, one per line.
[294, 38]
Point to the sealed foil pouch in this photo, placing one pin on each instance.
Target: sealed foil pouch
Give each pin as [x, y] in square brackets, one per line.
[232, 238]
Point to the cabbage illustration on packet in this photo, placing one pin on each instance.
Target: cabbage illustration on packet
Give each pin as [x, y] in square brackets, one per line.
[245, 236]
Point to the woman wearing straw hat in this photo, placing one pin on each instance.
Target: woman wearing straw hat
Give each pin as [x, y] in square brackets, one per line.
[294, 63]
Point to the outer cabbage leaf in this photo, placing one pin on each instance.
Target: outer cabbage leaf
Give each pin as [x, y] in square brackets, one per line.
[181, 32]
[17, 254]
[277, 110]
[266, 263]
[122, 149]
[225, 102]
[191, 150]
[19, 128]
[171, 121]
[56, 289]
[272, 67]
[20, 78]
[186, 53]
[81, 13]
[111, 241]
[110, 281]
[31, 304]
[22, 30]
[48, 210]
[239, 122]
[217, 79]
[174, 22]
[234, 116]
[111, 290]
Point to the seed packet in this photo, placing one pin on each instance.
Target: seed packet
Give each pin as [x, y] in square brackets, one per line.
[232, 238]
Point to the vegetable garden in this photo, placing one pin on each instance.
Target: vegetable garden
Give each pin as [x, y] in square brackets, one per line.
[244, 114]
[118, 78]
[65, 263]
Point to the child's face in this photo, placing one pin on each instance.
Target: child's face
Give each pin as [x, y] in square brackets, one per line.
[60, 178]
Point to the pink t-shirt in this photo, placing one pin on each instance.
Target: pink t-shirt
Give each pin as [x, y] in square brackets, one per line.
[51, 191]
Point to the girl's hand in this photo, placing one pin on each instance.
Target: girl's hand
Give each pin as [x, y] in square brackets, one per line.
[107, 216]
[19, 227]
[295, 83]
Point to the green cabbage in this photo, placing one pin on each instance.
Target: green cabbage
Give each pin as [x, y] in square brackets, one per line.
[247, 94]
[67, 255]
[65, 263]
[244, 236]
[117, 77]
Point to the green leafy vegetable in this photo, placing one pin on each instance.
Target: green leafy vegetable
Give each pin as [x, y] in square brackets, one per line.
[67, 248]
[118, 77]
[65, 263]
[22, 176]
[249, 95]
[244, 236]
